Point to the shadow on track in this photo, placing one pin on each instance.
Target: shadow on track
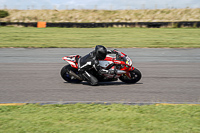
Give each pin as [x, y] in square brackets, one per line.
[103, 83]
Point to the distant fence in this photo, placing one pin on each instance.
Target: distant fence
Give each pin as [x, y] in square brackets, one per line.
[105, 25]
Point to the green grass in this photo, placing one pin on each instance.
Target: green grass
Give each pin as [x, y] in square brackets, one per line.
[89, 37]
[92, 118]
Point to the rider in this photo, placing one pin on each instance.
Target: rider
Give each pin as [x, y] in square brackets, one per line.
[91, 60]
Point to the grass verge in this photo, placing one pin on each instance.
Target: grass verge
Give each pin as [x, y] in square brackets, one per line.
[89, 37]
[115, 118]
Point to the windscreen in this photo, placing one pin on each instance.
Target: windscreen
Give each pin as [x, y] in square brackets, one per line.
[123, 57]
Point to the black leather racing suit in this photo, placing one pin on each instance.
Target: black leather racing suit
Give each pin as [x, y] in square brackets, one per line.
[90, 61]
[87, 62]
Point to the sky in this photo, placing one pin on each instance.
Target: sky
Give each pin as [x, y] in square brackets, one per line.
[98, 4]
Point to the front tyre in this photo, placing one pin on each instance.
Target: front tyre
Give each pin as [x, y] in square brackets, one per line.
[66, 76]
[135, 77]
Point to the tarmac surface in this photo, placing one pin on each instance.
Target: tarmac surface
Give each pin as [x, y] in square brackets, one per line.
[33, 75]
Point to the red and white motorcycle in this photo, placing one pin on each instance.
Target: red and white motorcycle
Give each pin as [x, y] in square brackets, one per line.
[121, 65]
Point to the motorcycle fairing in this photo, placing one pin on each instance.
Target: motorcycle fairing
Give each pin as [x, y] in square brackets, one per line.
[71, 60]
[105, 63]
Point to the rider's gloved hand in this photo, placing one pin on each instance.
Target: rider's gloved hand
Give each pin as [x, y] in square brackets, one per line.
[109, 51]
[112, 51]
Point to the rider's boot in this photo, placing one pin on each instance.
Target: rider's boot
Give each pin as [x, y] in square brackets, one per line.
[90, 78]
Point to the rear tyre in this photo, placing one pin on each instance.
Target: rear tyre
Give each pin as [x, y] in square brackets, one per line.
[65, 74]
[135, 77]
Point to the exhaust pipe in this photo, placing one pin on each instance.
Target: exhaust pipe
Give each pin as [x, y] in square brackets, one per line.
[113, 72]
[71, 73]
[120, 72]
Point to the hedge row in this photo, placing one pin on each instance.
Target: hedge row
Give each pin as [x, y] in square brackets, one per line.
[3, 14]
[118, 24]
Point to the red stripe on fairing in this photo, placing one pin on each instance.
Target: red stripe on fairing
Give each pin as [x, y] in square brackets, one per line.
[72, 63]
[109, 58]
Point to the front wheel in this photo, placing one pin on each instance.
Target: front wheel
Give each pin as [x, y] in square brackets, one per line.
[135, 77]
[66, 76]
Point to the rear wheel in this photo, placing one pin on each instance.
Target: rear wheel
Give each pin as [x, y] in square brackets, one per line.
[66, 76]
[135, 77]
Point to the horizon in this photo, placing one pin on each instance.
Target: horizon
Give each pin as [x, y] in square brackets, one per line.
[98, 4]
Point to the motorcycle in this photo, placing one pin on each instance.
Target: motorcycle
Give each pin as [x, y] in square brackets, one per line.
[120, 67]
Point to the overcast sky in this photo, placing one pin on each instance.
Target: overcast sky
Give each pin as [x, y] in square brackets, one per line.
[98, 4]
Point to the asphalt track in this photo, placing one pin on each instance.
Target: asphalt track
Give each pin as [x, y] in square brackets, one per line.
[33, 75]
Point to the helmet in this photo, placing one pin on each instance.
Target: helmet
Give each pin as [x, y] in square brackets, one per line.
[100, 52]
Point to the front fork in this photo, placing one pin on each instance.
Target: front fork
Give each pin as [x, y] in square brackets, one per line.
[128, 74]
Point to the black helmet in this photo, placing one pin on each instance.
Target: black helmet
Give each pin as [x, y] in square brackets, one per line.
[100, 52]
